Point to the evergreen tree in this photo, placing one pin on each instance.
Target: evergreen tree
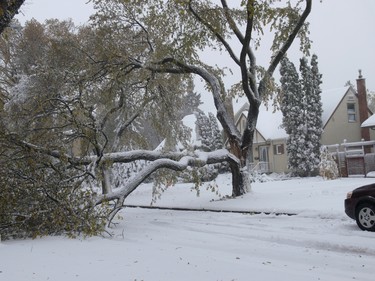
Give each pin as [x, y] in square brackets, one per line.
[371, 100]
[290, 107]
[203, 129]
[302, 109]
[217, 137]
[316, 110]
[306, 163]
[208, 131]
[290, 91]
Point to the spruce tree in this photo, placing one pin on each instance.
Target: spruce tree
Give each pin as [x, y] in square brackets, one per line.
[306, 164]
[203, 129]
[290, 91]
[290, 107]
[315, 116]
[217, 137]
[302, 109]
[208, 131]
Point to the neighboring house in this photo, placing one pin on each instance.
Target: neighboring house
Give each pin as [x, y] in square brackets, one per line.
[341, 116]
[269, 148]
[344, 110]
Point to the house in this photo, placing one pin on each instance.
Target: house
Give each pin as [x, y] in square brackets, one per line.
[269, 147]
[344, 110]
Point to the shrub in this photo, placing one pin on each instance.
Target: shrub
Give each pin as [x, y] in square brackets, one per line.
[40, 196]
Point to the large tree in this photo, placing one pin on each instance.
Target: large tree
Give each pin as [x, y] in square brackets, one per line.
[311, 81]
[291, 99]
[68, 112]
[176, 32]
[39, 195]
[136, 61]
[302, 115]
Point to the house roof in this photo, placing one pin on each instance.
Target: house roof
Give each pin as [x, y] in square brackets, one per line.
[370, 122]
[330, 101]
[269, 122]
[270, 119]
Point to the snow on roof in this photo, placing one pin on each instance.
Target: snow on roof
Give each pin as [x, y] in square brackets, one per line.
[370, 122]
[330, 101]
[269, 122]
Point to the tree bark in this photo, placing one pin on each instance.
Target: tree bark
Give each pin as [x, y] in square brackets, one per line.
[8, 9]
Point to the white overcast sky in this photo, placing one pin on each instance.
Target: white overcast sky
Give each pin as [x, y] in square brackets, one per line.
[343, 34]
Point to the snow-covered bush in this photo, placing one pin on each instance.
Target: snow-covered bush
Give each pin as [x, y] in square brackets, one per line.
[259, 177]
[42, 197]
[327, 167]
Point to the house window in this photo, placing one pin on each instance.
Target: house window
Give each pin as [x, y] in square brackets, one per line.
[243, 125]
[351, 112]
[278, 149]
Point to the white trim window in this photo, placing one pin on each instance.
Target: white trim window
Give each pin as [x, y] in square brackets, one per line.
[278, 149]
[351, 113]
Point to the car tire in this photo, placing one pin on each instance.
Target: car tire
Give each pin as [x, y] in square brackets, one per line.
[365, 216]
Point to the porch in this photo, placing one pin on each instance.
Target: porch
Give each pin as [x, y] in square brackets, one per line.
[355, 159]
[261, 167]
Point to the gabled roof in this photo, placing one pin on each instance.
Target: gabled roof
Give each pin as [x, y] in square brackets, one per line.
[331, 100]
[244, 108]
[269, 122]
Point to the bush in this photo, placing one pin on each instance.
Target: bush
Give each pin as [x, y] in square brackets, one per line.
[327, 167]
[40, 196]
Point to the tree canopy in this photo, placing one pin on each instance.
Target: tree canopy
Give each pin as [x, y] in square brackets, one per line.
[84, 98]
[174, 32]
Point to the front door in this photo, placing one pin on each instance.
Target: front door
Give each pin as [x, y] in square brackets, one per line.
[263, 159]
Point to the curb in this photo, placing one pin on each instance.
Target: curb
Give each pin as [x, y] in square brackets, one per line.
[208, 210]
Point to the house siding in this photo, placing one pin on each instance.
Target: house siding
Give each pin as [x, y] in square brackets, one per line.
[279, 161]
[338, 128]
[276, 162]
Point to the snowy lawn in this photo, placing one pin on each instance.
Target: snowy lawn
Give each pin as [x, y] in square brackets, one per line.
[319, 243]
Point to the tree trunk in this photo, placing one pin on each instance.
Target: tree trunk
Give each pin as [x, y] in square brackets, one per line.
[8, 9]
[105, 179]
[244, 152]
[240, 180]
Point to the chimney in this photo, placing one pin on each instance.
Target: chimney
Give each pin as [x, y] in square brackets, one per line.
[362, 103]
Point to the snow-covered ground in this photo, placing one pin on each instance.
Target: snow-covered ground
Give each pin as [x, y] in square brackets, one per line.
[319, 243]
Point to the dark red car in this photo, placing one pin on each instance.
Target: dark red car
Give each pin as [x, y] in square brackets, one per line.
[360, 205]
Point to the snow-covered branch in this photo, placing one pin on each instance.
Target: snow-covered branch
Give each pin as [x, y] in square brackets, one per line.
[169, 161]
[197, 159]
